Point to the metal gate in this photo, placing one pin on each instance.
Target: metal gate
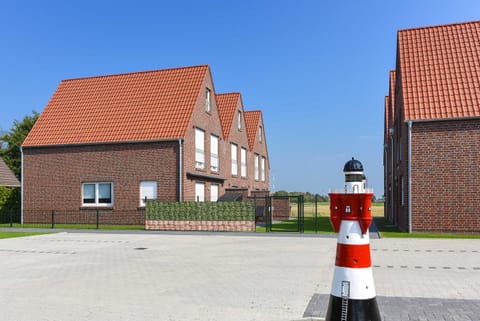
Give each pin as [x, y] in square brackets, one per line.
[284, 214]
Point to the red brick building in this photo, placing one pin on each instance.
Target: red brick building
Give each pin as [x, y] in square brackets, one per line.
[432, 130]
[110, 141]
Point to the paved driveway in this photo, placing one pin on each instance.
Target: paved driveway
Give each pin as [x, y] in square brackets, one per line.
[162, 276]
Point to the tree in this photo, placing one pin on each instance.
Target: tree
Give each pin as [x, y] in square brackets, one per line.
[14, 139]
[10, 152]
[280, 193]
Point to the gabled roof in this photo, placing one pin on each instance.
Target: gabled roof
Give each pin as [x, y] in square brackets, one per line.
[252, 119]
[7, 178]
[385, 121]
[391, 97]
[140, 106]
[227, 105]
[440, 71]
[390, 104]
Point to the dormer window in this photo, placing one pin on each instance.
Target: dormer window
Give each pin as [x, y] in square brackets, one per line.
[239, 120]
[207, 101]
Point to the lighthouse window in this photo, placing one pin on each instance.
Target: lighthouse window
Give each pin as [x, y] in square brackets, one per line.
[353, 177]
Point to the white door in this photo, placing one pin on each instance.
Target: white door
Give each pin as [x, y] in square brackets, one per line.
[200, 192]
[213, 193]
[148, 191]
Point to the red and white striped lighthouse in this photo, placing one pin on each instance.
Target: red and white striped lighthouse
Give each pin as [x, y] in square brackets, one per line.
[353, 296]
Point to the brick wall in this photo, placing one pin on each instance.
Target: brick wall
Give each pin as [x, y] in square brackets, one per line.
[446, 176]
[209, 122]
[281, 208]
[53, 176]
[240, 138]
[259, 148]
[230, 226]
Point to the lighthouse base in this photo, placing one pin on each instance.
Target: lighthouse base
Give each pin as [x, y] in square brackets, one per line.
[357, 310]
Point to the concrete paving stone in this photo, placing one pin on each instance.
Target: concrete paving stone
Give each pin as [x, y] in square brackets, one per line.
[93, 275]
[415, 309]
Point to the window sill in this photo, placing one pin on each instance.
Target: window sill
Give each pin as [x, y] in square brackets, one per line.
[97, 207]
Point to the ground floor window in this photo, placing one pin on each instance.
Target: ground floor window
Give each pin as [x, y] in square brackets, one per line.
[97, 194]
[200, 192]
[148, 191]
[213, 192]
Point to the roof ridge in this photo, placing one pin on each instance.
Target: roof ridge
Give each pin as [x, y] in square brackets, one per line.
[439, 26]
[136, 72]
[229, 93]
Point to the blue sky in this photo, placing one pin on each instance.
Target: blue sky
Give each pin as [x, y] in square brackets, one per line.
[317, 69]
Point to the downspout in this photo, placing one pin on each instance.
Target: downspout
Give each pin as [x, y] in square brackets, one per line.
[21, 185]
[392, 180]
[180, 170]
[409, 176]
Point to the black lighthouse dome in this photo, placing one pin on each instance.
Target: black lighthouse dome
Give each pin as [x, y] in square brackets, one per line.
[353, 165]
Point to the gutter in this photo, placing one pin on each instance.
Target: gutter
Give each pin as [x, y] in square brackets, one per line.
[430, 120]
[104, 143]
[21, 185]
[392, 176]
[180, 170]
[409, 176]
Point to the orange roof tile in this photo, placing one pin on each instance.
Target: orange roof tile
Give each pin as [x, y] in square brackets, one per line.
[141, 106]
[390, 104]
[227, 105]
[391, 95]
[386, 119]
[252, 119]
[440, 71]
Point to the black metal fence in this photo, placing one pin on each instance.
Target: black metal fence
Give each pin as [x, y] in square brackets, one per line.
[9, 218]
[93, 219]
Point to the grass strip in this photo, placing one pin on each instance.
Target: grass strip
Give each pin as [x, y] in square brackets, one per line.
[7, 235]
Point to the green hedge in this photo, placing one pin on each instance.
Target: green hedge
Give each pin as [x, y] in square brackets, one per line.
[200, 211]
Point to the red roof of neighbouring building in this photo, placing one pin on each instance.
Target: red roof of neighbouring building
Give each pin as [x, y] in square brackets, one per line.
[227, 105]
[140, 106]
[7, 178]
[440, 71]
[390, 105]
[252, 119]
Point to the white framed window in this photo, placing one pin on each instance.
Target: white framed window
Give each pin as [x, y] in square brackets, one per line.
[262, 169]
[97, 194]
[255, 164]
[260, 134]
[208, 107]
[199, 148]
[148, 191]
[239, 120]
[243, 162]
[214, 153]
[213, 192]
[199, 192]
[234, 160]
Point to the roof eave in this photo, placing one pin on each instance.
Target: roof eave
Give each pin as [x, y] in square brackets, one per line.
[440, 119]
[105, 143]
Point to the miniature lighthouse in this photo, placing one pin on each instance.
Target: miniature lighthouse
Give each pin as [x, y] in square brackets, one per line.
[353, 296]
